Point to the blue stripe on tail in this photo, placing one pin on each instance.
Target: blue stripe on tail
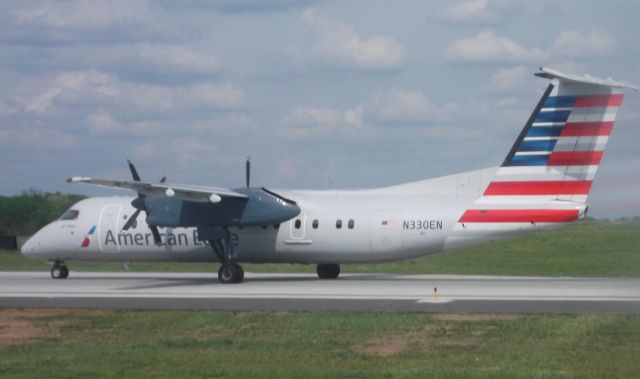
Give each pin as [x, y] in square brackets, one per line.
[560, 102]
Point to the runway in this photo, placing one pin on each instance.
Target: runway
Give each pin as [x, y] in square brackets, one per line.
[305, 292]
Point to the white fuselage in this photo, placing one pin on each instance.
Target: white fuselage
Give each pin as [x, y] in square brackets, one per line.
[380, 225]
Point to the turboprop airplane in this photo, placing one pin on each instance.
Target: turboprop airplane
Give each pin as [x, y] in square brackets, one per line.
[542, 183]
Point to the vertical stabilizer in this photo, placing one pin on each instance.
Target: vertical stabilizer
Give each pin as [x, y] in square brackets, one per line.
[547, 175]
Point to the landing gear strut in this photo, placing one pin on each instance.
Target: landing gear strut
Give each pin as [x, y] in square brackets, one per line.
[59, 270]
[229, 272]
[328, 271]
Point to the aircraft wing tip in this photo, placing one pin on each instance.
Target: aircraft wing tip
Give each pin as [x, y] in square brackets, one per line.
[78, 179]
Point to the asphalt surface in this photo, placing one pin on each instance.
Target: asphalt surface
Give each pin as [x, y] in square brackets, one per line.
[305, 292]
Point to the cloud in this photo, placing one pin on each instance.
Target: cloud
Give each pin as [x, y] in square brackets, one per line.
[403, 107]
[338, 45]
[488, 46]
[306, 122]
[468, 12]
[83, 14]
[190, 149]
[74, 21]
[574, 43]
[140, 62]
[390, 107]
[287, 168]
[162, 59]
[95, 107]
[97, 89]
[147, 150]
[508, 79]
[397, 105]
[37, 137]
[104, 124]
[238, 6]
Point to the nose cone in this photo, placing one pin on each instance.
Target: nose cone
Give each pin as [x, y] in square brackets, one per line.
[38, 245]
[29, 247]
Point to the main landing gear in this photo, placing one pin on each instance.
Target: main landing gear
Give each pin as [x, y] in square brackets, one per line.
[328, 271]
[229, 272]
[59, 270]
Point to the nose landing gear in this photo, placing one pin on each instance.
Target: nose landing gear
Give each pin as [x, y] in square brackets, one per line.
[59, 270]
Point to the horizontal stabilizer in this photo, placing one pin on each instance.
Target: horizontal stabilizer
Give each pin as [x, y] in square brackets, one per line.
[587, 79]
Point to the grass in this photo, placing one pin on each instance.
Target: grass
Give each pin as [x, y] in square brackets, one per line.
[593, 248]
[106, 344]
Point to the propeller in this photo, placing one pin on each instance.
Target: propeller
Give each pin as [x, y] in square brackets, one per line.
[139, 204]
[247, 170]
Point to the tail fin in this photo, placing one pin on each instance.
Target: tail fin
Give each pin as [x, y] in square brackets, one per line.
[548, 172]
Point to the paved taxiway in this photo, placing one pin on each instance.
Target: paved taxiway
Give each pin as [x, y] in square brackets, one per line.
[305, 292]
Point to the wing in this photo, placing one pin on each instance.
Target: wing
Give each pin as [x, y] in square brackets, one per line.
[198, 194]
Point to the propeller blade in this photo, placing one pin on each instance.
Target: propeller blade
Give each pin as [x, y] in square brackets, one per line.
[156, 234]
[134, 172]
[163, 179]
[247, 170]
[131, 220]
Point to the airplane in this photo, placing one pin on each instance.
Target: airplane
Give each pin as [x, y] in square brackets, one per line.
[542, 183]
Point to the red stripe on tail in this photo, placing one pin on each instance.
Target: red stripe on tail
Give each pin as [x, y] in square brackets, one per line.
[520, 215]
[574, 158]
[599, 101]
[584, 129]
[568, 187]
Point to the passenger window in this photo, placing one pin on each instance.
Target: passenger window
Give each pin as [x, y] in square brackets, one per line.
[298, 224]
[315, 224]
[71, 214]
[351, 224]
[338, 224]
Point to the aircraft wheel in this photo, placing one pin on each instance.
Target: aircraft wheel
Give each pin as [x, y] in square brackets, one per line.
[230, 273]
[328, 271]
[59, 271]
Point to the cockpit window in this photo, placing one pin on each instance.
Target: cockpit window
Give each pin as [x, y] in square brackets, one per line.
[71, 214]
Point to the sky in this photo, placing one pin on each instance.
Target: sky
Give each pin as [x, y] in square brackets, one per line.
[320, 94]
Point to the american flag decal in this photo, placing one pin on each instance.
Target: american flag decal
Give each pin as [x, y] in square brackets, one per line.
[388, 224]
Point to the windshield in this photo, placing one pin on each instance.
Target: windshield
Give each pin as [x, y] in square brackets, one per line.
[71, 214]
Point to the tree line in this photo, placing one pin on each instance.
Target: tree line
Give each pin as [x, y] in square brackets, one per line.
[26, 213]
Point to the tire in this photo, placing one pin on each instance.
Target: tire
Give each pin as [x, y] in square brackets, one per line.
[230, 273]
[57, 272]
[328, 271]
